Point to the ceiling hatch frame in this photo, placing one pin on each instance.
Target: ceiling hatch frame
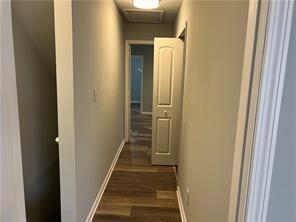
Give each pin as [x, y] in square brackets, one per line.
[143, 15]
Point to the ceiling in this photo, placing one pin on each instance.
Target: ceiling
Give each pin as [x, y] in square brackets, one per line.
[37, 18]
[170, 8]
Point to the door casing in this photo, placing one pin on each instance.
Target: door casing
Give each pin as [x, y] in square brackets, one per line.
[251, 168]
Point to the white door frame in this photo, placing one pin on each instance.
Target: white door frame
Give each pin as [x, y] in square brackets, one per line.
[267, 39]
[65, 99]
[271, 90]
[142, 65]
[247, 108]
[128, 44]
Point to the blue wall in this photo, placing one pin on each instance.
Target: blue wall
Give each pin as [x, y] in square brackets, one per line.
[147, 76]
[136, 78]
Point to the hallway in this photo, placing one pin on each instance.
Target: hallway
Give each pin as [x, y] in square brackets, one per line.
[138, 191]
[69, 90]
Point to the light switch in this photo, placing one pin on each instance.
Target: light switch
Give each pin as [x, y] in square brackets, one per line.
[95, 95]
[187, 196]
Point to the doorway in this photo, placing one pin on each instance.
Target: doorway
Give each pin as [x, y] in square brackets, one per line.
[137, 49]
[141, 88]
[165, 97]
[37, 102]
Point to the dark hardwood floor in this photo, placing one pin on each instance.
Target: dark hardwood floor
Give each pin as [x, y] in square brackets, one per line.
[138, 191]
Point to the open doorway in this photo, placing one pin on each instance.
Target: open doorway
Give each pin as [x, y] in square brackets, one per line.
[138, 81]
[35, 68]
[155, 89]
[141, 88]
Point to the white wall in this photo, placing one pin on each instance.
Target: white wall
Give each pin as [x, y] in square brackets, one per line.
[147, 52]
[139, 31]
[282, 200]
[214, 59]
[37, 99]
[97, 61]
[98, 50]
[12, 202]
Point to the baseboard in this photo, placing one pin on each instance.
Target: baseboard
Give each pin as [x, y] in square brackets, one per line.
[136, 102]
[105, 182]
[146, 113]
[181, 206]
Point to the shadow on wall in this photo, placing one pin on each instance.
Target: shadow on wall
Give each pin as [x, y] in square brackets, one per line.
[37, 100]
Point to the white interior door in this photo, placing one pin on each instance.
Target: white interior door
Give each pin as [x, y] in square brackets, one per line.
[167, 96]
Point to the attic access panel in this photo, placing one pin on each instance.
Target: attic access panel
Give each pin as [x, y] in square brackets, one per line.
[143, 16]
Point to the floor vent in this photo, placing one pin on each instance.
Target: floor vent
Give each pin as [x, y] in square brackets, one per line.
[143, 16]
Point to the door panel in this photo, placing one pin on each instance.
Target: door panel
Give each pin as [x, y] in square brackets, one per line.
[165, 79]
[167, 93]
[163, 136]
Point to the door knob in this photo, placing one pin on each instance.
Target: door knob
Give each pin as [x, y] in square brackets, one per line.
[57, 140]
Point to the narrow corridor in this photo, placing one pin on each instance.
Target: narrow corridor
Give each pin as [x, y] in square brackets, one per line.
[138, 191]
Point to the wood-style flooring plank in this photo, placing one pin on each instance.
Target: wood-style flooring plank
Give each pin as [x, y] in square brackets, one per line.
[117, 210]
[138, 191]
[170, 195]
[156, 214]
[138, 201]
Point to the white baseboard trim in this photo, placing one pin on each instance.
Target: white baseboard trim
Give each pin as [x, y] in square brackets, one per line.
[146, 113]
[104, 184]
[181, 206]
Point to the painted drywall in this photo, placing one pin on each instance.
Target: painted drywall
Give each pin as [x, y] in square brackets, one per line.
[213, 70]
[139, 31]
[37, 99]
[282, 199]
[98, 58]
[12, 201]
[147, 52]
[136, 79]
[36, 18]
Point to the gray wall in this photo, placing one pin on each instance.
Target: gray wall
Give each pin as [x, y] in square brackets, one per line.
[98, 58]
[282, 200]
[136, 31]
[12, 200]
[147, 52]
[136, 79]
[213, 70]
[36, 86]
